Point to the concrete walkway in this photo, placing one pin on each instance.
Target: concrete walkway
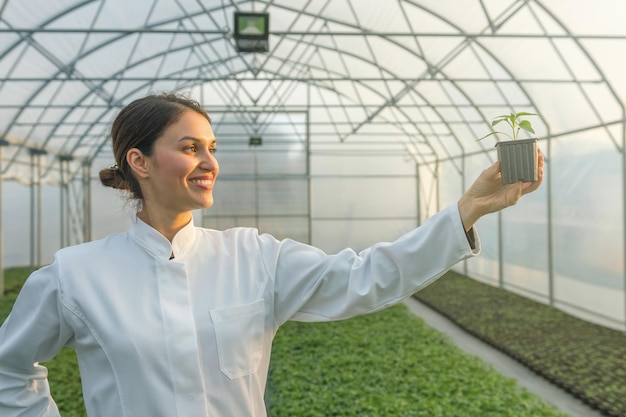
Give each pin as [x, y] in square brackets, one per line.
[502, 363]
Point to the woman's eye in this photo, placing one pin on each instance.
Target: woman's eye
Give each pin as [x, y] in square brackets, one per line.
[212, 150]
[190, 148]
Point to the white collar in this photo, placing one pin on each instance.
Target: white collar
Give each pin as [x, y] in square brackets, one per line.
[157, 244]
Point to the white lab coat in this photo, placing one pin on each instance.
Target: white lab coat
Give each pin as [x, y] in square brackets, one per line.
[191, 337]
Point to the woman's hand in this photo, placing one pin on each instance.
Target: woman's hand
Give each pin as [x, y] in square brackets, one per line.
[487, 194]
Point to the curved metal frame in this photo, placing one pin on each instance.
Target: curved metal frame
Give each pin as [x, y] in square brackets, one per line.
[290, 68]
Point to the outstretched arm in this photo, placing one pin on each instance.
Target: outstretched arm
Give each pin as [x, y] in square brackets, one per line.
[487, 194]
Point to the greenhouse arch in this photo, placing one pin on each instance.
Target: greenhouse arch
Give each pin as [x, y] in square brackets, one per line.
[364, 117]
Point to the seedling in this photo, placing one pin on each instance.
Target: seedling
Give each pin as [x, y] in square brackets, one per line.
[515, 123]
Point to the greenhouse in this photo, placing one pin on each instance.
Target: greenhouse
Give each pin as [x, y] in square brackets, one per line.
[339, 123]
[352, 123]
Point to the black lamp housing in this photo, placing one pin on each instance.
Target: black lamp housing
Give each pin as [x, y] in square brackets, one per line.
[255, 141]
[251, 31]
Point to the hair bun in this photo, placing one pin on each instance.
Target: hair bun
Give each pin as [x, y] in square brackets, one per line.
[113, 177]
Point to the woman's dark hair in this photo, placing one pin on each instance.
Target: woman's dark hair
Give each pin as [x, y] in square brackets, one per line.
[139, 125]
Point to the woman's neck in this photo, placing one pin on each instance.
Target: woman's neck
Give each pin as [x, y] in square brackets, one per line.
[166, 224]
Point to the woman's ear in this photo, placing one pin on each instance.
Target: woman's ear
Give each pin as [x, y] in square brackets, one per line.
[138, 162]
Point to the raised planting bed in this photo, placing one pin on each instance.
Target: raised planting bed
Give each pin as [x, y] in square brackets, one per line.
[585, 359]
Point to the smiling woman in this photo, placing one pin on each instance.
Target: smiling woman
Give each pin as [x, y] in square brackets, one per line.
[177, 175]
[170, 167]
[169, 319]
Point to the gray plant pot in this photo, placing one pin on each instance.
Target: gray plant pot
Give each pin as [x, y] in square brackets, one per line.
[518, 160]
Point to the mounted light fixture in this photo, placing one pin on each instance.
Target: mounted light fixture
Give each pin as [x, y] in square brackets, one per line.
[255, 141]
[251, 31]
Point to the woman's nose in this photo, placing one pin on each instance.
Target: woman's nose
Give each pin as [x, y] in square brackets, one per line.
[208, 161]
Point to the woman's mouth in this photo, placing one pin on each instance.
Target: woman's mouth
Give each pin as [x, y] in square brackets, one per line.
[201, 182]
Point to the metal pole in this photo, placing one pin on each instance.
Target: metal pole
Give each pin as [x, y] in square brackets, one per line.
[308, 160]
[465, 269]
[36, 209]
[437, 191]
[86, 201]
[547, 171]
[67, 202]
[624, 204]
[39, 212]
[62, 209]
[256, 188]
[1, 232]
[32, 211]
[418, 201]
[500, 252]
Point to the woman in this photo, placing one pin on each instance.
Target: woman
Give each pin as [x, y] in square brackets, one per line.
[169, 319]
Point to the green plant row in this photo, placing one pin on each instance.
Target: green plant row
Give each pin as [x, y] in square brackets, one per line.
[386, 364]
[585, 359]
[13, 280]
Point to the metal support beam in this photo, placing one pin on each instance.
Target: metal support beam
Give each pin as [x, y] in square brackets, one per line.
[500, 251]
[39, 212]
[316, 34]
[32, 211]
[624, 205]
[418, 201]
[35, 208]
[64, 220]
[308, 179]
[550, 232]
[86, 201]
[1, 232]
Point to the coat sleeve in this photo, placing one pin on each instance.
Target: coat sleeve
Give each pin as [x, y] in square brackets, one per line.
[33, 332]
[310, 285]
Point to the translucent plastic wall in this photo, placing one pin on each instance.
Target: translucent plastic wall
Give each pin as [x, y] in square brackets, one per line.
[562, 245]
[368, 113]
[588, 226]
[360, 200]
[264, 174]
[302, 184]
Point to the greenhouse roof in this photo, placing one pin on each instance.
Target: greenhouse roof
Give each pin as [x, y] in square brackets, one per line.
[418, 77]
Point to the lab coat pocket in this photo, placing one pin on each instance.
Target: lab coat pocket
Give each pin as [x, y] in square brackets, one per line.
[239, 332]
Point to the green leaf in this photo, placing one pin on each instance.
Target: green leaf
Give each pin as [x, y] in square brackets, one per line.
[487, 135]
[523, 113]
[525, 124]
[514, 122]
[493, 133]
